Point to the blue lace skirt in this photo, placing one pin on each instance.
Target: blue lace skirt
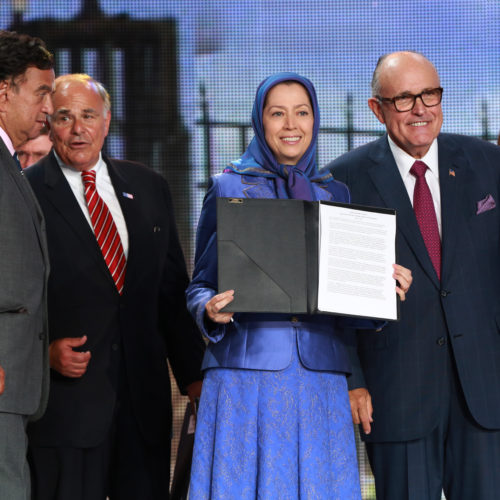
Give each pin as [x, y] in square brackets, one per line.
[274, 435]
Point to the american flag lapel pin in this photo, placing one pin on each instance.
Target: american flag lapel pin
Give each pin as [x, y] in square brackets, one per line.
[130, 196]
[451, 172]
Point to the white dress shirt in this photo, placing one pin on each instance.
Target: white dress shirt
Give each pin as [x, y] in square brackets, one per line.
[6, 139]
[106, 192]
[404, 163]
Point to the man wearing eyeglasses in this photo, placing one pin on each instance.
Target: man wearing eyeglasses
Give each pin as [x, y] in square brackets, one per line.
[426, 390]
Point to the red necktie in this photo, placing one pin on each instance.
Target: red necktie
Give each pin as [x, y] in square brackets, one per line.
[105, 231]
[426, 215]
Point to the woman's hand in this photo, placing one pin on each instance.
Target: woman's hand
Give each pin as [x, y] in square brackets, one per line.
[216, 303]
[404, 278]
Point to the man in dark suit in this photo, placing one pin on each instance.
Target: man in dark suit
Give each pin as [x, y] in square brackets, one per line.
[434, 376]
[34, 149]
[116, 312]
[26, 79]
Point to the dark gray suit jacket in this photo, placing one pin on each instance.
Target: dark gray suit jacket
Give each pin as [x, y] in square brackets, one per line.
[23, 280]
[403, 366]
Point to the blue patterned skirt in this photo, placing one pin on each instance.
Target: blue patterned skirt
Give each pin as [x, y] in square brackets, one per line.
[274, 435]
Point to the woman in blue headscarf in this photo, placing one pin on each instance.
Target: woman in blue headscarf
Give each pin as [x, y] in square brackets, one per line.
[274, 419]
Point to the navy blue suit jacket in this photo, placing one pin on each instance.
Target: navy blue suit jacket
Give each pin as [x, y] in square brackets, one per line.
[146, 324]
[403, 365]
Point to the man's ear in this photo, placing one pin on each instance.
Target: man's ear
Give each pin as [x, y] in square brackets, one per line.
[4, 88]
[376, 107]
[107, 122]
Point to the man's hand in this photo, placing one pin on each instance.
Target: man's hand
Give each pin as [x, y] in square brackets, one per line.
[361, 408]
[194, 392]
[66, 361]
[404, 279]
[2, 380]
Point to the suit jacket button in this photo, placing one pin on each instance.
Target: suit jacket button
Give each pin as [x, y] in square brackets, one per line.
[114, 347]
[441, 341]
[41, 335]
[444, 293]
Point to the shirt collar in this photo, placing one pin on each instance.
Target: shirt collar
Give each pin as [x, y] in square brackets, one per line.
[404, 161]
[7, 141]
[97, 167]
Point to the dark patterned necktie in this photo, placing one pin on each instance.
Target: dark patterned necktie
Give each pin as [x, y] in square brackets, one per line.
[426, 215]
[18, 163]
[105, 231]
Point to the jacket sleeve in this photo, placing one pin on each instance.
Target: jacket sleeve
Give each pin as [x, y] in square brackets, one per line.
[185, 345]
[204, 283]
[349, 326]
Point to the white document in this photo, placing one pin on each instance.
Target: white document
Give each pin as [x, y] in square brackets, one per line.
[356, 252]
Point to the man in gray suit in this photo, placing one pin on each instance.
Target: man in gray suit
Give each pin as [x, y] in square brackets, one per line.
[26, 81]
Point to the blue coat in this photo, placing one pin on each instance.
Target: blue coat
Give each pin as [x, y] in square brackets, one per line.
[402, 367]
[261, 341]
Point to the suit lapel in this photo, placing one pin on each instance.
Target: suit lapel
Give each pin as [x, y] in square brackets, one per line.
[61, 196]
[23, 185]
[452, 166]
[389, 184]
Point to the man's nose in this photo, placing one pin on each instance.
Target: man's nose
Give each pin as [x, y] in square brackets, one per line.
[419, 106]
[48, 107]
[76, 127]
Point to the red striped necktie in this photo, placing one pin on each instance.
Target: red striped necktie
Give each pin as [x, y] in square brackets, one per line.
[105, 231]
[425, 213]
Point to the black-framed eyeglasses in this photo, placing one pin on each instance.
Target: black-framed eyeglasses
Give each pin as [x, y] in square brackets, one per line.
[406, 102]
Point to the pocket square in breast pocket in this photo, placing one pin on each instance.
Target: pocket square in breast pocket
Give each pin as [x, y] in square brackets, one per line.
[485, 204]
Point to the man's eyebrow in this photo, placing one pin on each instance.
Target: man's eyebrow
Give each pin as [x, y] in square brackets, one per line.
[45, 88]
[407, 92]
[66, 111]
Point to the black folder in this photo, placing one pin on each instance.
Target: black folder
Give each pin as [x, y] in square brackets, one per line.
[268, 253]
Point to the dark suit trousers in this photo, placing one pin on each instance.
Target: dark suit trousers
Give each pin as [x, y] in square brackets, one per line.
[123, 467]
[458, 456]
